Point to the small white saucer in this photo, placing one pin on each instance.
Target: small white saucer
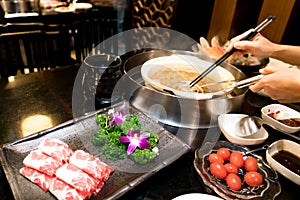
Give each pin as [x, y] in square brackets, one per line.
[82, 6]
[283, 145]
[64, 9]
[274, 108]
[196, 196]
[229, 125]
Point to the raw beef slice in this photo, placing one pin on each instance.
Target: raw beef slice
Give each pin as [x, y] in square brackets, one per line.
[41, 162]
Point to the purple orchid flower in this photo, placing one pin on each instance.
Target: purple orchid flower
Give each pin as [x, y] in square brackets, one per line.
[136, 139]
[117, 117]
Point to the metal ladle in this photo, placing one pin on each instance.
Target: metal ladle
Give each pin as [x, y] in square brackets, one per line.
[227, 86]
[249, 125]
[237, 84]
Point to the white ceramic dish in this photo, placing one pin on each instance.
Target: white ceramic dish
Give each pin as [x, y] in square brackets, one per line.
[286, 145]
[196, 196]
[13, 15]
[64, 9]
[273, 108]
[185, 62]
[82, 6]
[229, 125]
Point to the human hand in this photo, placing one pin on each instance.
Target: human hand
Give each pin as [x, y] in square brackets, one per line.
[259, 46]
[236, 39]
[274, 68]
[280, 83]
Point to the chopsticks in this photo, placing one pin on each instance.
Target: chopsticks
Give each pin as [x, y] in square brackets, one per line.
[260, 27]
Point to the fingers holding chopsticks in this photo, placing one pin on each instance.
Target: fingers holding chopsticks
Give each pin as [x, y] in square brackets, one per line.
[253, 46]
[241, 45]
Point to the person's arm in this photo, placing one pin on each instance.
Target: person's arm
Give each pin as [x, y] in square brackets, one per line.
[287, 53]
[260, 46]
[280, 83]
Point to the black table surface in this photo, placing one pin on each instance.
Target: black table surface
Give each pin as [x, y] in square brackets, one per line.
[50, 93]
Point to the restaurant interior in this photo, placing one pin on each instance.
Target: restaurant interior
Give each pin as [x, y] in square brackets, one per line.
[45, 45]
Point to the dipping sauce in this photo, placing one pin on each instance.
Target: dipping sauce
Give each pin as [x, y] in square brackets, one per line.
[288, 122]
[288, 160]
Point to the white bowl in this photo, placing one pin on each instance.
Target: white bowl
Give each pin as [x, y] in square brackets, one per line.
[64, 9]
[273, 108]
[286, 145]
[196, 196]
[82, 6]
[229, 125]
[187, 63]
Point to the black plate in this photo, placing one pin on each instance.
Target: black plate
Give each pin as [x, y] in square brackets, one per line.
[77, 134]
[269, 189]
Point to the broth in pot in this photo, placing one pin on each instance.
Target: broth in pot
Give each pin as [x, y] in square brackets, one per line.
[180, 79]
[173, 74]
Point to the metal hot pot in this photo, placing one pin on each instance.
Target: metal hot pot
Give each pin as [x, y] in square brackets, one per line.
[170, 109]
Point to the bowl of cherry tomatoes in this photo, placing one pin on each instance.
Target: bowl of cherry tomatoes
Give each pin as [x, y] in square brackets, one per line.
[233, 172]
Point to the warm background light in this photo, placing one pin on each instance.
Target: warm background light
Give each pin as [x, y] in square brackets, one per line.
[11, 79]
[35, 123]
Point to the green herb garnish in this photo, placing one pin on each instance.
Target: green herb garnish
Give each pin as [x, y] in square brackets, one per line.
[120, 136]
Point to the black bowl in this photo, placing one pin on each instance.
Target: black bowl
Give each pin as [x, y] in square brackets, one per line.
[250, 65]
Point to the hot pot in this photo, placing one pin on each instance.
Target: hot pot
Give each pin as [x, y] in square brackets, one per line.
[170, 109]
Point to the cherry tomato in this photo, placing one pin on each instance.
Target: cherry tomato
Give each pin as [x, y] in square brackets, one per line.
[234, 182]
[230, 168]
[213, 157]
[224, 153]
[253, 179]
[251, 164]
[236, 158]
[218, 170]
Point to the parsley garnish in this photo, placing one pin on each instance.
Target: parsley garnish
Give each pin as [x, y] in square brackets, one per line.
[120, 136]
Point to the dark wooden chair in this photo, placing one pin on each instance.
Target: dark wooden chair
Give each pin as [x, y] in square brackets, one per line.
[34, 47]
[88, 34]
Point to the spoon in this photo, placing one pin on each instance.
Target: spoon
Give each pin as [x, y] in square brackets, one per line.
[249, 125]
[255, 150]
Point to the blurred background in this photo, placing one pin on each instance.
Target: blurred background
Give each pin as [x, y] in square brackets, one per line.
[41, 34]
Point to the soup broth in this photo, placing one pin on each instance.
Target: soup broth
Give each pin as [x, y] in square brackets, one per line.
[169, 77]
